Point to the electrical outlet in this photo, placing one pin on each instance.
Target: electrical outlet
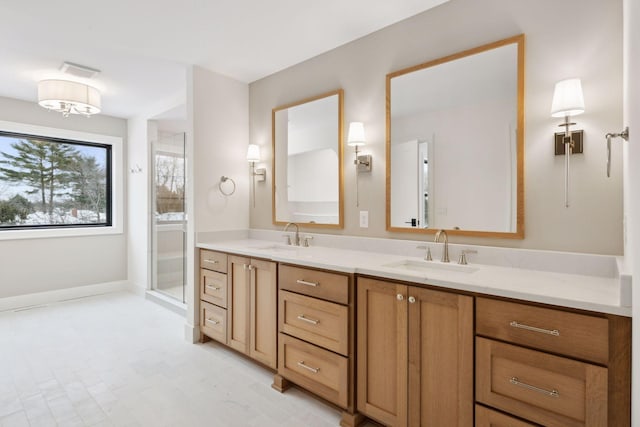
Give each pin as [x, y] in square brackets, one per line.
[364, 219]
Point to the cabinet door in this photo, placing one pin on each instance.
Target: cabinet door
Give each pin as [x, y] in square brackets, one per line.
[264, 313]
[486, 417]
[239, 303]
[440, 358]
[382, 351]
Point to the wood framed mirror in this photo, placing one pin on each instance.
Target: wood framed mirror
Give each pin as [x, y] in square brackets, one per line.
[307, 161]
[455, 143]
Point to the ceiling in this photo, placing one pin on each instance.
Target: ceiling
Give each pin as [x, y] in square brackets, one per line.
[143, 47]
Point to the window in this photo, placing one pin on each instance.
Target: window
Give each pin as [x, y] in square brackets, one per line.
[169, 168]
[55, 182]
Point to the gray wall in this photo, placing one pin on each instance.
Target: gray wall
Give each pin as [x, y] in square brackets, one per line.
[39, 265]
[571, 38]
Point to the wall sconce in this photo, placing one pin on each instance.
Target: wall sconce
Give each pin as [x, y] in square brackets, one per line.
[258, 175]
[356, 138]
[567, 101]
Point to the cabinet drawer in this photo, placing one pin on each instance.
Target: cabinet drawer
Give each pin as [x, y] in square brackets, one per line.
[213, 321]
[576, 335]
[546, 389]
[318, 370]
[213, 287]
[486, 417]
[319, 322]
[216, 261]
[330, 286]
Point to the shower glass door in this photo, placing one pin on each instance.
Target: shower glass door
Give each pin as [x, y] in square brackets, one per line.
[169, 221]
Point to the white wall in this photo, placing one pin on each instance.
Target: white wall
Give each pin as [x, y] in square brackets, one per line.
[554, 50]
[217, 140]
[220, 108]
[41, 265]
[138, 203]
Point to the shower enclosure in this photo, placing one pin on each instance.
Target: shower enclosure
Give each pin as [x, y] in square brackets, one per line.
[168, 229]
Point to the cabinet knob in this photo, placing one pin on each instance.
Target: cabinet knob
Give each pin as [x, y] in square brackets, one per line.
[400, 297]
[412, 299]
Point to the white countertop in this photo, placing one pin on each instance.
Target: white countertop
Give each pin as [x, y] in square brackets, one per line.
[587, 292]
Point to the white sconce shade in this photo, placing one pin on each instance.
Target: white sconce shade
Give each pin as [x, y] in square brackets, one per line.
[356, 134]
[567, 98]
[253, 153]
[69, 97]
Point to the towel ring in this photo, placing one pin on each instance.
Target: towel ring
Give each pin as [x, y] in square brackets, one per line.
[224, 179]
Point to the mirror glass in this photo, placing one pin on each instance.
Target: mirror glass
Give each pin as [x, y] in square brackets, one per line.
[455, 143]
[307, 161]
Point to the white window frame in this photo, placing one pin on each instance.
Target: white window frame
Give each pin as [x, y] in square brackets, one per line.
[117, 183]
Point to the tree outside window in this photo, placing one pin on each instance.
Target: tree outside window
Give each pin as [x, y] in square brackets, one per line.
[48, 182]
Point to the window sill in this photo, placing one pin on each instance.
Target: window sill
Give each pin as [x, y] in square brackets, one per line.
[58, 233]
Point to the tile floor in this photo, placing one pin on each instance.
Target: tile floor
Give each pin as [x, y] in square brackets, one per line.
[119, 360]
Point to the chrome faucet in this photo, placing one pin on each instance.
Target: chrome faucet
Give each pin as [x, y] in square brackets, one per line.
[445, 251]
[296, 238]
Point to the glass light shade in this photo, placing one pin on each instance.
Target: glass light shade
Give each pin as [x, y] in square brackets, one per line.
[567, 99]
[69, 97]
[356, 134]
[253, 153]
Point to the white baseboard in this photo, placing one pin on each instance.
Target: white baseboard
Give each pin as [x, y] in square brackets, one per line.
[49, 297]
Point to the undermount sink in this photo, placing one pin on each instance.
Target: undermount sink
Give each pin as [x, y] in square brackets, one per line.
[427, 266]
[275, 247]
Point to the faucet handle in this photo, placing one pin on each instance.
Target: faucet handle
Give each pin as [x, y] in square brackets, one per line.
[287, 239]
[427, 254]
[463, 256]
[306, 240]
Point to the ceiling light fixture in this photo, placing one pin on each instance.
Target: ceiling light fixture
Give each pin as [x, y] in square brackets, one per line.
[78, 70]
[68, 97]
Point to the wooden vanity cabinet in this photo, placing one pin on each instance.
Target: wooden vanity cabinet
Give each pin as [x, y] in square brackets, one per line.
[213, 295]
[316, 336]
[551, 366]
[252, 309]
[486, 417]
[415, 355]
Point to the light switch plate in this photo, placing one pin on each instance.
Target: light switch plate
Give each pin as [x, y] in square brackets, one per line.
[364, 219]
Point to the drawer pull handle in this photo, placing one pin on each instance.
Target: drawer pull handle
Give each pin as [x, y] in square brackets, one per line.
[554, 332]
[304, 282]
[215, 288]
[308, 368]
[215, 322]
[212, 261]
[308, 320]
[552, 393]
